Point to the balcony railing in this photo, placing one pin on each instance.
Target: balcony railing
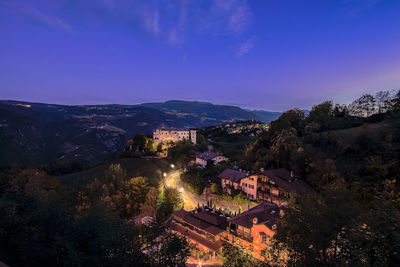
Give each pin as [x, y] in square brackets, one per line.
[243, 236]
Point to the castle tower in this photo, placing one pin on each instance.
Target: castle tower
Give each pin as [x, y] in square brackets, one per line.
[193, 136]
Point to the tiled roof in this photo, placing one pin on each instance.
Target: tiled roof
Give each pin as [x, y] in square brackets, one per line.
[206, 155]
[232, 175]
[197, 238]
[211, 218]
[206, 221]
[283, 179]
[172, 129]
[266, 213]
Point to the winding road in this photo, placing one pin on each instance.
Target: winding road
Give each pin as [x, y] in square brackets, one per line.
[190, 200]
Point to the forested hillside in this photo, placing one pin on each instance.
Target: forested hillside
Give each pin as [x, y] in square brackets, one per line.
[350, 155]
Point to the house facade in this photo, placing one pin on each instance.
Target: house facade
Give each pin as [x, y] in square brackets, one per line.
[203, 158]
[202, 228]
[248, 186]
[230, 180]
[253, 230]
[279, 185]
[174, 135]
[274, 186]
[209, 230]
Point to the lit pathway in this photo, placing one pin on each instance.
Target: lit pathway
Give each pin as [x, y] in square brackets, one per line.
[190, 200]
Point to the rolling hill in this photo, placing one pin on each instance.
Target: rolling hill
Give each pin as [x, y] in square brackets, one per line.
[32, 134]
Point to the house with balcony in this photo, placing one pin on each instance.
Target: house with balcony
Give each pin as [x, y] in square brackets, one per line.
[239, 180]
[278, 185]
[230, 179]
[202, 227]
[252, 230]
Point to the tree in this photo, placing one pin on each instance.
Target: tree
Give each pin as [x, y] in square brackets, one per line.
[115, 176]
[34, 233]
[135, 192]
[293, 118]
[376, 168]
[395, 103]
[216, 188]
[311, 226]
[323, 115]
[285, 146]
[149, 207]
[234, 256]
[374, 240]
[171, 200]
[383, 99]
[168, 250]
[36, 183]
[322, 171]
[363, 107]
[181, 153]
[139, 141]
[194, 179]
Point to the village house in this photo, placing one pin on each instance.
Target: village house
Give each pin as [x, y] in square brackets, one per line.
[278, 185]
[202, 228]
[274, 186]
[239, 180]
[164, 135]
[209, 231]
[203, 158]
[252, 230]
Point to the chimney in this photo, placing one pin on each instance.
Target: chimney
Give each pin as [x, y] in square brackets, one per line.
[255, 220]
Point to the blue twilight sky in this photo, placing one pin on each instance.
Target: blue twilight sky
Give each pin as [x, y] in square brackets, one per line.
[263, 54]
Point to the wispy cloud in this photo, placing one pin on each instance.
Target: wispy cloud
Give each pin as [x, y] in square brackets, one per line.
[226, 17]
[173, 21]
[29, 10]
[151, 19]
[245, 48]
[240, 19]
[169, 21]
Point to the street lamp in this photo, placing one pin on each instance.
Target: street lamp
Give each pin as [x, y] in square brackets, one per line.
[172, 166]
[181, 189]
[165, 174]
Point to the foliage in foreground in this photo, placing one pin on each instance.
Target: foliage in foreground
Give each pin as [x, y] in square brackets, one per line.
[43, 223]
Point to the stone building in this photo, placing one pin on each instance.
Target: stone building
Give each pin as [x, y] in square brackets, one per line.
[165, 135]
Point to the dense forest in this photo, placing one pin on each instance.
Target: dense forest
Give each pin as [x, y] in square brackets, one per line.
[350, 155]
[44, 222]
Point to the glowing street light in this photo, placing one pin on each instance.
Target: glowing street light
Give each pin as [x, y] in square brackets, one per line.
[165, 174]
[181, 189]
[172, 166]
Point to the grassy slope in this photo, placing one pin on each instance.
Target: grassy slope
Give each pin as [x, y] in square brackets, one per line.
[150, 168]
[347, 161]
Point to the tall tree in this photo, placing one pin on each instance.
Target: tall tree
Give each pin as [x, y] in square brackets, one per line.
[149, 207]
[383, 99]
[135, 191]
[363, 106]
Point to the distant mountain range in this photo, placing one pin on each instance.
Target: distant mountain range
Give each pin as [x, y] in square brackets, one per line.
[203, 114]
[33, 133]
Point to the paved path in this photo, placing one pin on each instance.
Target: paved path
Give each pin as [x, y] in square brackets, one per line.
[190, 200]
